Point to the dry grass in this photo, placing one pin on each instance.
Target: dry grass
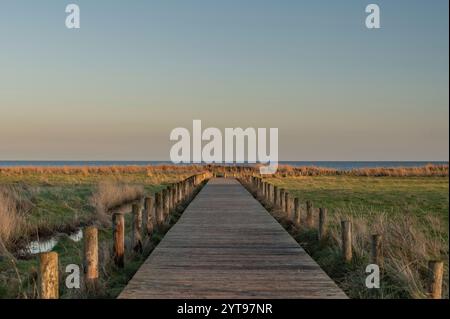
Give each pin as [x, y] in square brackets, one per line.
[408, 245]
[11, 216]
[109, 195]
[409, 242]
[292, 171]
[283, 170]
[99, 170]
[427, 170]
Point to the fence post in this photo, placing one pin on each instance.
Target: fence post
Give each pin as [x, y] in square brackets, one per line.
[166, 203]
[297, 211]
[170, 198]
[346, 240]
[137, 228]
[49, 275]
[436, 272]
[91, 254]
[180, 191]
[148, 216]
[376, 250]
[309, 214]
[287, 203]
[159, 209]
[174, 197]
[263, 189]
[119, 239]
[322, 223]
[282, 198]
[275, 195]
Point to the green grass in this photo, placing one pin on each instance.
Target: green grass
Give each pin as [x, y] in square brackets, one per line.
[61, 202]
[372, 195]
[399, 207]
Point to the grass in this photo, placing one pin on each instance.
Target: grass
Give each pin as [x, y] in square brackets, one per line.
[409, 207]
[48, 201]
[419, 196]
[411, 213]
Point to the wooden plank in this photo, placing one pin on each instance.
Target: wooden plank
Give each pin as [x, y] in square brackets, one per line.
[226, 245]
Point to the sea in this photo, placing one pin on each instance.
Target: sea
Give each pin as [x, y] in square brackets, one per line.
[340, 165]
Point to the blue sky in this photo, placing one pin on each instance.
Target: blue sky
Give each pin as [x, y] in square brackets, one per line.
[137, 69]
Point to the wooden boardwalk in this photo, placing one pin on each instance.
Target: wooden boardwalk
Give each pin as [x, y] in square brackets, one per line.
[226, 245]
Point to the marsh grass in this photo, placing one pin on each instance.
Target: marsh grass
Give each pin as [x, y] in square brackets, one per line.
[12, 220]
[18, 278]
[55, 200]
[109, 195]
[409, 242]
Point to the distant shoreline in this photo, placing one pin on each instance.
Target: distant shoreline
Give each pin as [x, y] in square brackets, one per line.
[339, 165]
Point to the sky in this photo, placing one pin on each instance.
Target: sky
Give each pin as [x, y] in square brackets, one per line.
[115, 88]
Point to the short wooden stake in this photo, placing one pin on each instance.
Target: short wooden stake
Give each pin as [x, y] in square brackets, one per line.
[282, 198]
[159, 209]
[287, 204]
[148, 216]
[376, 253]
[275, 196]
[322, 223]
[137, 228]
[309, 214]
[91, 254]
[297, 211]
[436, 273]
[174, 197]
[119, 239]
[49, 275]
[346, 240]
[166, 203]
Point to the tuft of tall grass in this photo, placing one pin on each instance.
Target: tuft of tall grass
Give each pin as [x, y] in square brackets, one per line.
[110, 194]
[11, 218]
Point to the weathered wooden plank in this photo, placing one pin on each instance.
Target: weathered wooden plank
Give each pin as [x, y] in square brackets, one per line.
[226, 245]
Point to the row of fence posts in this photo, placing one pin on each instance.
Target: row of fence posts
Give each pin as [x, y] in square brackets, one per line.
[279, 197]
[155, 213]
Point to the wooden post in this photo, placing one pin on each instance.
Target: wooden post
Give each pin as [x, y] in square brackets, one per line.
[166, 203]
[309, 214]
[148, 216]
[49, 275]
[169, 198]
[287, 203]
[376, 254]
[91, 254]
[186, 189]
[180, 191]
[346, 240]
[322, 223]
[119, 239]
[267, 190]
[263, 189]
[271, 200]
[282, 198]
[297, 211]
[174, 197]
[275, 196]
[159, 209]
[436, 273]
[137, 228]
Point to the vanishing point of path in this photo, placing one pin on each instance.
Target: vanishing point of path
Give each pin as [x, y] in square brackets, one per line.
[226, 245]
